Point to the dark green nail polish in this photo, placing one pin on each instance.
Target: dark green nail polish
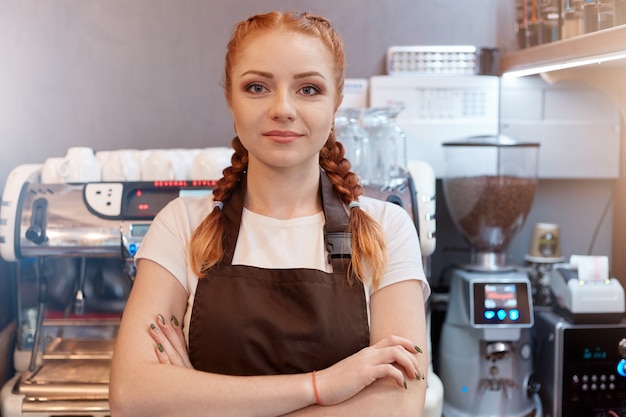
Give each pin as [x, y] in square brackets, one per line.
[174, 321]
[405, 386]
[153, 327]
[160, 347]
[161, 318]
[418, 349]
[417, 376]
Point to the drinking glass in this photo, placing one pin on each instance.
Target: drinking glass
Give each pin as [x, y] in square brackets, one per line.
[355, 139]
[387, 161]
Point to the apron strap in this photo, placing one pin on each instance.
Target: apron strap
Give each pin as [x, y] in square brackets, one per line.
[338, 240]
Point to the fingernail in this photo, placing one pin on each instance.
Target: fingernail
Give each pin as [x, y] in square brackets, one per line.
[405, 387]
[423, 376]
[160, 347]
[417, 376]
[174, 320]
[161, 318]
[153, 327]
[418, 348]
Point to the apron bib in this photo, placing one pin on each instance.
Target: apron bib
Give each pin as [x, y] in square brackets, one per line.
[254, 321]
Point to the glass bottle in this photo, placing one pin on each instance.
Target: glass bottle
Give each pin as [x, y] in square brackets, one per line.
[590, 16]
[572, 18]
[605, 14]
[619, 7]
[551, 21]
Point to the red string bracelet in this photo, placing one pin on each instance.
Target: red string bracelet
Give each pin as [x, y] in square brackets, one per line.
[317, 395]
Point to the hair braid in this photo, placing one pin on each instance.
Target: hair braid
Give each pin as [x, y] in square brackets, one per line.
[205, 247]
[368, 242]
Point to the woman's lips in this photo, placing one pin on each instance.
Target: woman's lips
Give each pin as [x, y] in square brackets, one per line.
[282, 136]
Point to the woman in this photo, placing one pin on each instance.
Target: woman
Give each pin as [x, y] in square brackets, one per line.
[309, 300]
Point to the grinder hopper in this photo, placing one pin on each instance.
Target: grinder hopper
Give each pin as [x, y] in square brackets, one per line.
[489, 189]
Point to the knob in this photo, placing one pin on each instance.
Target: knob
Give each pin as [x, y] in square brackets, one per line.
[36, 232]
[395, 199]
[497, 350]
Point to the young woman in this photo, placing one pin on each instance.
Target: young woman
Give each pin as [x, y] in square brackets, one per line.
[286, 292]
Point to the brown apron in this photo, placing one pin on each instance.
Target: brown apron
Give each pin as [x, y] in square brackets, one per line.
[253, 321]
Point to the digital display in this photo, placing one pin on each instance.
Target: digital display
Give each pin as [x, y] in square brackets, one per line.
[143, 200]
[501, 303]
[500, 295]
[139, 229]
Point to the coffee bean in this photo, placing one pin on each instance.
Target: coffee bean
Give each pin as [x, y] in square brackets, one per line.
[489, 210]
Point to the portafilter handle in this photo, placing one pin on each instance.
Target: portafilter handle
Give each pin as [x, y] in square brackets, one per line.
[41, 309]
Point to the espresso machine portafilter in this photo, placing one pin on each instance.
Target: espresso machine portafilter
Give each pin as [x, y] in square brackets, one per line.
[486, 347]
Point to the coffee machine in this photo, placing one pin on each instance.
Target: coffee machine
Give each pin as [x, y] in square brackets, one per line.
[73, 245]
[485, 348]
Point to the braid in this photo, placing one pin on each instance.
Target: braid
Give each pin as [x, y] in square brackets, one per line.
[368, 243]
[205, 247]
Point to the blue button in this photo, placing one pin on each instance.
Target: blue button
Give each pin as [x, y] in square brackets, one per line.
[489, 314]
[501, 314]
[514, 314]
[621, 367]
[132, 249]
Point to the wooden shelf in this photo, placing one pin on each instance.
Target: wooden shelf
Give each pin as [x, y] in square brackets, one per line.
[588, 46]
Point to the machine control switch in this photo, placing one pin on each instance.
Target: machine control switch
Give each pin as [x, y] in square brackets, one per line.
[105, 198]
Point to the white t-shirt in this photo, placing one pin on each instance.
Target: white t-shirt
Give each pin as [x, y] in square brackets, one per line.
[266, 242]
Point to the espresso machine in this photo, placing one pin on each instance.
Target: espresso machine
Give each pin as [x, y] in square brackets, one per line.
[486, 348]
[73, 245]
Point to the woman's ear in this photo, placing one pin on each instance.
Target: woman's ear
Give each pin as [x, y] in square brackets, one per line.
[339, 101]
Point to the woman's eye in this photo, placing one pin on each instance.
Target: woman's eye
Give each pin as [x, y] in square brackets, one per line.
[310, 90]
[255, 88]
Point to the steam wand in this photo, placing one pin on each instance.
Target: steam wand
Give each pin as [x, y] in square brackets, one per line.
[42, 299]
[79, 299]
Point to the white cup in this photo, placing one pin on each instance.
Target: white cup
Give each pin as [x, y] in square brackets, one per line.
[210, 162]
[121, 165]
[50, 171]
[102, 156]
[158, 166]
[80, 165]
[182, 159]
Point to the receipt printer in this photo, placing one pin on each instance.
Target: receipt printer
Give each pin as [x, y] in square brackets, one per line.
[584, 292]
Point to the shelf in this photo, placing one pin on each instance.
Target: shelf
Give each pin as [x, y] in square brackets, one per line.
[606, 43]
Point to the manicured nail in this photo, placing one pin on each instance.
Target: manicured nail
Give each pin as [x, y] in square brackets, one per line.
[161, 318]
[417, 376]
[418, 348]
[153, 327]
[174, 321]
[423, 376]
[160, 347]
[405, 387]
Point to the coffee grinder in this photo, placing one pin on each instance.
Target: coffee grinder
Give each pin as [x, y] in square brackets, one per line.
[485, 347]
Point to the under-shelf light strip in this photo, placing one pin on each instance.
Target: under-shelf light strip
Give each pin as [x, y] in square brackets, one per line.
[565, 64]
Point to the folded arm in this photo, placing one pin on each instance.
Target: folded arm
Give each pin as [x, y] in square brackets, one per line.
[141, 385]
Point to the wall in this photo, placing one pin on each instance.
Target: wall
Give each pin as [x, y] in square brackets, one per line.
[115, 74]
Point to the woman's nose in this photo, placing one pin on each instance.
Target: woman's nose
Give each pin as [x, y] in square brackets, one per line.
[282, 107]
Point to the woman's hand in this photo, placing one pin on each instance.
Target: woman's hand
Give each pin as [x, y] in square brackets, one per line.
[171, 347]
[393, 357]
